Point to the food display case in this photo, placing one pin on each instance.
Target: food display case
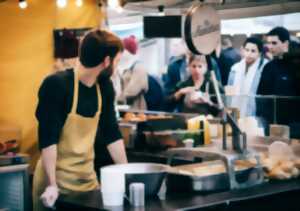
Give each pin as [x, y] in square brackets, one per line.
[162, 130]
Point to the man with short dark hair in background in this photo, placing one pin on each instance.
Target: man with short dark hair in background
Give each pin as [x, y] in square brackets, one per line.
[278, 42]
[279, 78]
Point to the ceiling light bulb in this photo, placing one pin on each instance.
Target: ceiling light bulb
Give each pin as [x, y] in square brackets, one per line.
[114, 4]
[119, 9]
[23, 4]
[61, 3]
[78, 3]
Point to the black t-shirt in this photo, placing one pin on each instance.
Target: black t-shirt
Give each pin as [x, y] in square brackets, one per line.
[279, 77]
[55, 102]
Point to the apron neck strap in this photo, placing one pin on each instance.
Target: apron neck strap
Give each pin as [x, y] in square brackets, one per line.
[99, 98]
[75, 92]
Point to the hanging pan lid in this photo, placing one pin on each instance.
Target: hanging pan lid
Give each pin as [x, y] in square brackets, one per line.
[202, 29]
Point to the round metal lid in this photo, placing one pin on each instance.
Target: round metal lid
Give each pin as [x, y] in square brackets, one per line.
[202, 29]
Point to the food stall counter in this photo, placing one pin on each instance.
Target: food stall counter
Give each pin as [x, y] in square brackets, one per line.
[275, 195]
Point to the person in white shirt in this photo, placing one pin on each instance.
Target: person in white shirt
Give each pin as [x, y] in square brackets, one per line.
[245, 75]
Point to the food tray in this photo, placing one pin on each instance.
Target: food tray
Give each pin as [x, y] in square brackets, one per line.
[211, 179]
[173, 138]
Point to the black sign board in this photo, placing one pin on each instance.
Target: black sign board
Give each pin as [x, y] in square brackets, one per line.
[162, 26]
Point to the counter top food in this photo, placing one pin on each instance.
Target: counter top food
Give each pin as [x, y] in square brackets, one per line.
[270, 195]
[275, 195]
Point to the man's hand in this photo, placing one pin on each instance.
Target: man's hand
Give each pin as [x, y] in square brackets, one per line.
[50, 196]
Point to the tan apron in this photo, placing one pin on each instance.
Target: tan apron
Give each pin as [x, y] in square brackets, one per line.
[75, 154]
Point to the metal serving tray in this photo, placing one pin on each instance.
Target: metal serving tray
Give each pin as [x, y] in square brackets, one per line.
[182, 181]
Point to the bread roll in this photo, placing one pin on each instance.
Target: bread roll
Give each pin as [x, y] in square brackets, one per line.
[269, 164]
[297, 163]
[281, 151]
[263, 155]
[295, 172]
[185, 172]
[278, 173]
[287, 166]
[141, 116]
[129, 116]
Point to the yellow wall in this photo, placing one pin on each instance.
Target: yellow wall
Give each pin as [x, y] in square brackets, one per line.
[26, 57]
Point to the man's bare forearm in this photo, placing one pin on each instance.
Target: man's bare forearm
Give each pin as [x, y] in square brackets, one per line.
[49, 156]
[117, 152]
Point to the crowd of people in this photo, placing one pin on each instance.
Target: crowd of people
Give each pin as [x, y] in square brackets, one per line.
[261, 68]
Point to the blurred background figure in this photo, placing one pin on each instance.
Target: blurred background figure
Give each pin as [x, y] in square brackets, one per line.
[245, 75]
[228, 57]
[178, 71]
[178, 49]
[131, 83]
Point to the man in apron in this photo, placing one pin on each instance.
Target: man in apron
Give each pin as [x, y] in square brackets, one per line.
[74, 106]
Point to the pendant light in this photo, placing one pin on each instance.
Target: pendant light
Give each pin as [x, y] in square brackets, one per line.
[78, 3]
[61, 3]
[23, 4]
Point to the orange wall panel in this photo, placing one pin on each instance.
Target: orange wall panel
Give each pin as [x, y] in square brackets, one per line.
[26, 57]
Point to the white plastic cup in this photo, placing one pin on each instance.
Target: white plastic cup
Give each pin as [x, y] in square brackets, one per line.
[112, 198]
[112, 180]
[188, 143]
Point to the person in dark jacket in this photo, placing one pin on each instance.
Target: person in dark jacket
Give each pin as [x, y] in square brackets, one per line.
[176, 73]
[228, 57]
[279, 78]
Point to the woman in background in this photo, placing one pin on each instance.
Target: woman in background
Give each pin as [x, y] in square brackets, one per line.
[192, 95]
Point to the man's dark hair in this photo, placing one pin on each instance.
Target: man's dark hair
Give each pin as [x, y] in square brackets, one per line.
[281, 32]
[226, 42]
[98, 44]
[256, 41]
